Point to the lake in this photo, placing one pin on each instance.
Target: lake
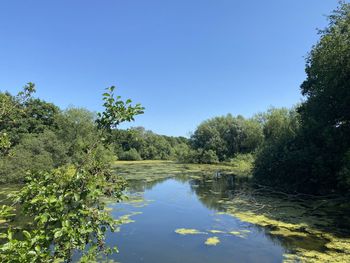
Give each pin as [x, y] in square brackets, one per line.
[197, 214]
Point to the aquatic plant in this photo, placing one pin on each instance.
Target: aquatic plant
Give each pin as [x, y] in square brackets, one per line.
[212, 241]
[188, 231]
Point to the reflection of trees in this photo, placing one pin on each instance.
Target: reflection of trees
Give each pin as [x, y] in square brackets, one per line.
[212, 191]
[329, 217]
[142, 185]
[222, 192]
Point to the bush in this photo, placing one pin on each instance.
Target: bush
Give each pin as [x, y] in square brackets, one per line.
[243, 163]
[200, 156]
[209, 157]
[131, 155]
[35, 152]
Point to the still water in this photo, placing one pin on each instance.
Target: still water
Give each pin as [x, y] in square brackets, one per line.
[189, 217]
[174, 204]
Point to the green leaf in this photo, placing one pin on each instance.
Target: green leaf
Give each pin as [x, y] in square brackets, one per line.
[27, 234]
[37, 248]
[58, 234]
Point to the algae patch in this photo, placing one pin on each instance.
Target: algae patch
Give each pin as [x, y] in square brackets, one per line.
[216, 231]
[330, 248]
[212, 241]
[237, 233]
[188, 231]
[125, 219]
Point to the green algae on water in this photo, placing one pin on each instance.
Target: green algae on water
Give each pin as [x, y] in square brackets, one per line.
[237, 233]
[212, 241]
[332, 248]
[188, 231]
[125, 219]
[217, 231]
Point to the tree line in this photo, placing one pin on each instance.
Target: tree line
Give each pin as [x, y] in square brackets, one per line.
[137, 143]
[39, 136]
[304, 149]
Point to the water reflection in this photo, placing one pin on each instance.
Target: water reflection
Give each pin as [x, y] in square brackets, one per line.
[194, 201]
[152, 237]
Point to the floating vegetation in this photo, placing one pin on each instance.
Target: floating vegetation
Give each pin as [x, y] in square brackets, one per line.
[188, 231]
[212, 241]
[309, 230]
[313, 256]
[288, 233]
[328, 248]
[140, 200]
[217, 232]
[237, 233]
[125, 219]
[150, 171]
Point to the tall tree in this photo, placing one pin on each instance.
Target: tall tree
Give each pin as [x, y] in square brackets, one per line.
[325, 114]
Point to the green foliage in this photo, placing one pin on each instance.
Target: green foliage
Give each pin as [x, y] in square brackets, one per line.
[5, 144]
[77, 129]
[308, 151]
[22, 114]
[130, 155]
[325, 114]
[209, 156]
[35, 152]
[227, 136]
[279, 161]
[42, 137]
[117, 111]
[62, 216]
[181, 152]
[66, 203]
[243, 163]
[200, 156]
[149, 146]
[12, 113]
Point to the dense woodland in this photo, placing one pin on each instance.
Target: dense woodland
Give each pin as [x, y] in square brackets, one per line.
[53, 151]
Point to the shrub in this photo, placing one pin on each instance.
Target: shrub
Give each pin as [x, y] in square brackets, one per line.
[131, 155]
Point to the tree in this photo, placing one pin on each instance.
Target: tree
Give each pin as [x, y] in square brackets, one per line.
[228, 136]
[66, 203]
[35, 152]
[130, 155]
[312, 155]
[280, 162]
[325, 114]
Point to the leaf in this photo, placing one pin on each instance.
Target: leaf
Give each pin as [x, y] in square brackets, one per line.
[58, 234]
[76, 196]
[27, 234]
[37, 248]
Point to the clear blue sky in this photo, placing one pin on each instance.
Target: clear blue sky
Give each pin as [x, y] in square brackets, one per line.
[184, 60]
